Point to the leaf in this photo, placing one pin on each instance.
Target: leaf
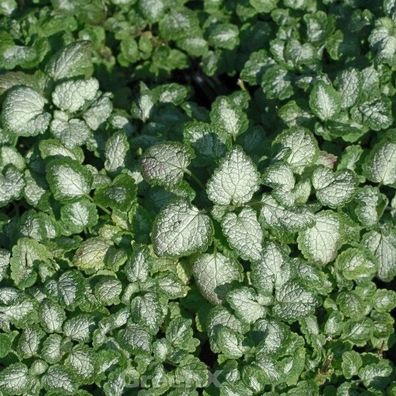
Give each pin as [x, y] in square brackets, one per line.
[180, 230]
[234, 181]
[246, 305]
[243, 233]
[14, 379]
[370, 204]
[11, 185]
[228, 118]
[351, 363]
[71, 133]
[375, 114]
[271, 270]
[79, 215]
[275, 216]
[116, 150]
[321, 241]
[230, 343]
[298, 148]
[224, 35]
[68, 179]
[137, 267]
[214, 275]
[51, 316]
[71, 288]
[380, 164]
[90, 256]
[58, 379]
[135, 339]
[383, 40]
[71, 61]
[324, 101]
[27, 255]
[293, 301]
[120, 194]
[165, 163]
[71, 96]
[23, 112]
[333, 189]
[147, 311]
[382, 244]
[99, 111]
[355, 264]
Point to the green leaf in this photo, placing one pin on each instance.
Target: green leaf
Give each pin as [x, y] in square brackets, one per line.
[214, 275]
[320, 242]
[147, 311]
[271, 270]
[165, 163]
[293, 301]
[11, 185]
[137, 267]
[99, 111]
[81, 363]
[180, 229]
[51, 316]
[383, 40]
[298, 147]
[351, 363]
[234, 181]
[356, 264]
[116, 150]
[135, 339]
[71, 61]
[23, 112]
[26, 257]
[14, 379]
[71, 133]
[78, 216]
[68, 179]
[224, 35]
[370, 205]
[277, 83]
[120, 194]
[380, 164]
[90, 256]
[243, 233]
[71, 96]
[71, 288]
[228, 118]
[375, 114]
[58, 379]
[324, 101]
[334, 189]
[277, 217]
[230, 343]
[382, 244]
[246, 304]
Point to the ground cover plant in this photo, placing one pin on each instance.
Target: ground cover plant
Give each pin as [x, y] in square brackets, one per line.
[197, 197]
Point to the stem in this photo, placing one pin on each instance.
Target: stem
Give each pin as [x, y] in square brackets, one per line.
[107, 211]
[195, 179]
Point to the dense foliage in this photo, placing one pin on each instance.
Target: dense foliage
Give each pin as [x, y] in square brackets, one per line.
[197, 197]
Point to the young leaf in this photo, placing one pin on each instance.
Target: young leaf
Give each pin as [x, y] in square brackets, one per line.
[235, 180]
[244, 233]
[180, 229]
[23, 112]
[165, 163]
[324, 101]
[333, 189]
[68, 179]
[321, 241]
[214, 275]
